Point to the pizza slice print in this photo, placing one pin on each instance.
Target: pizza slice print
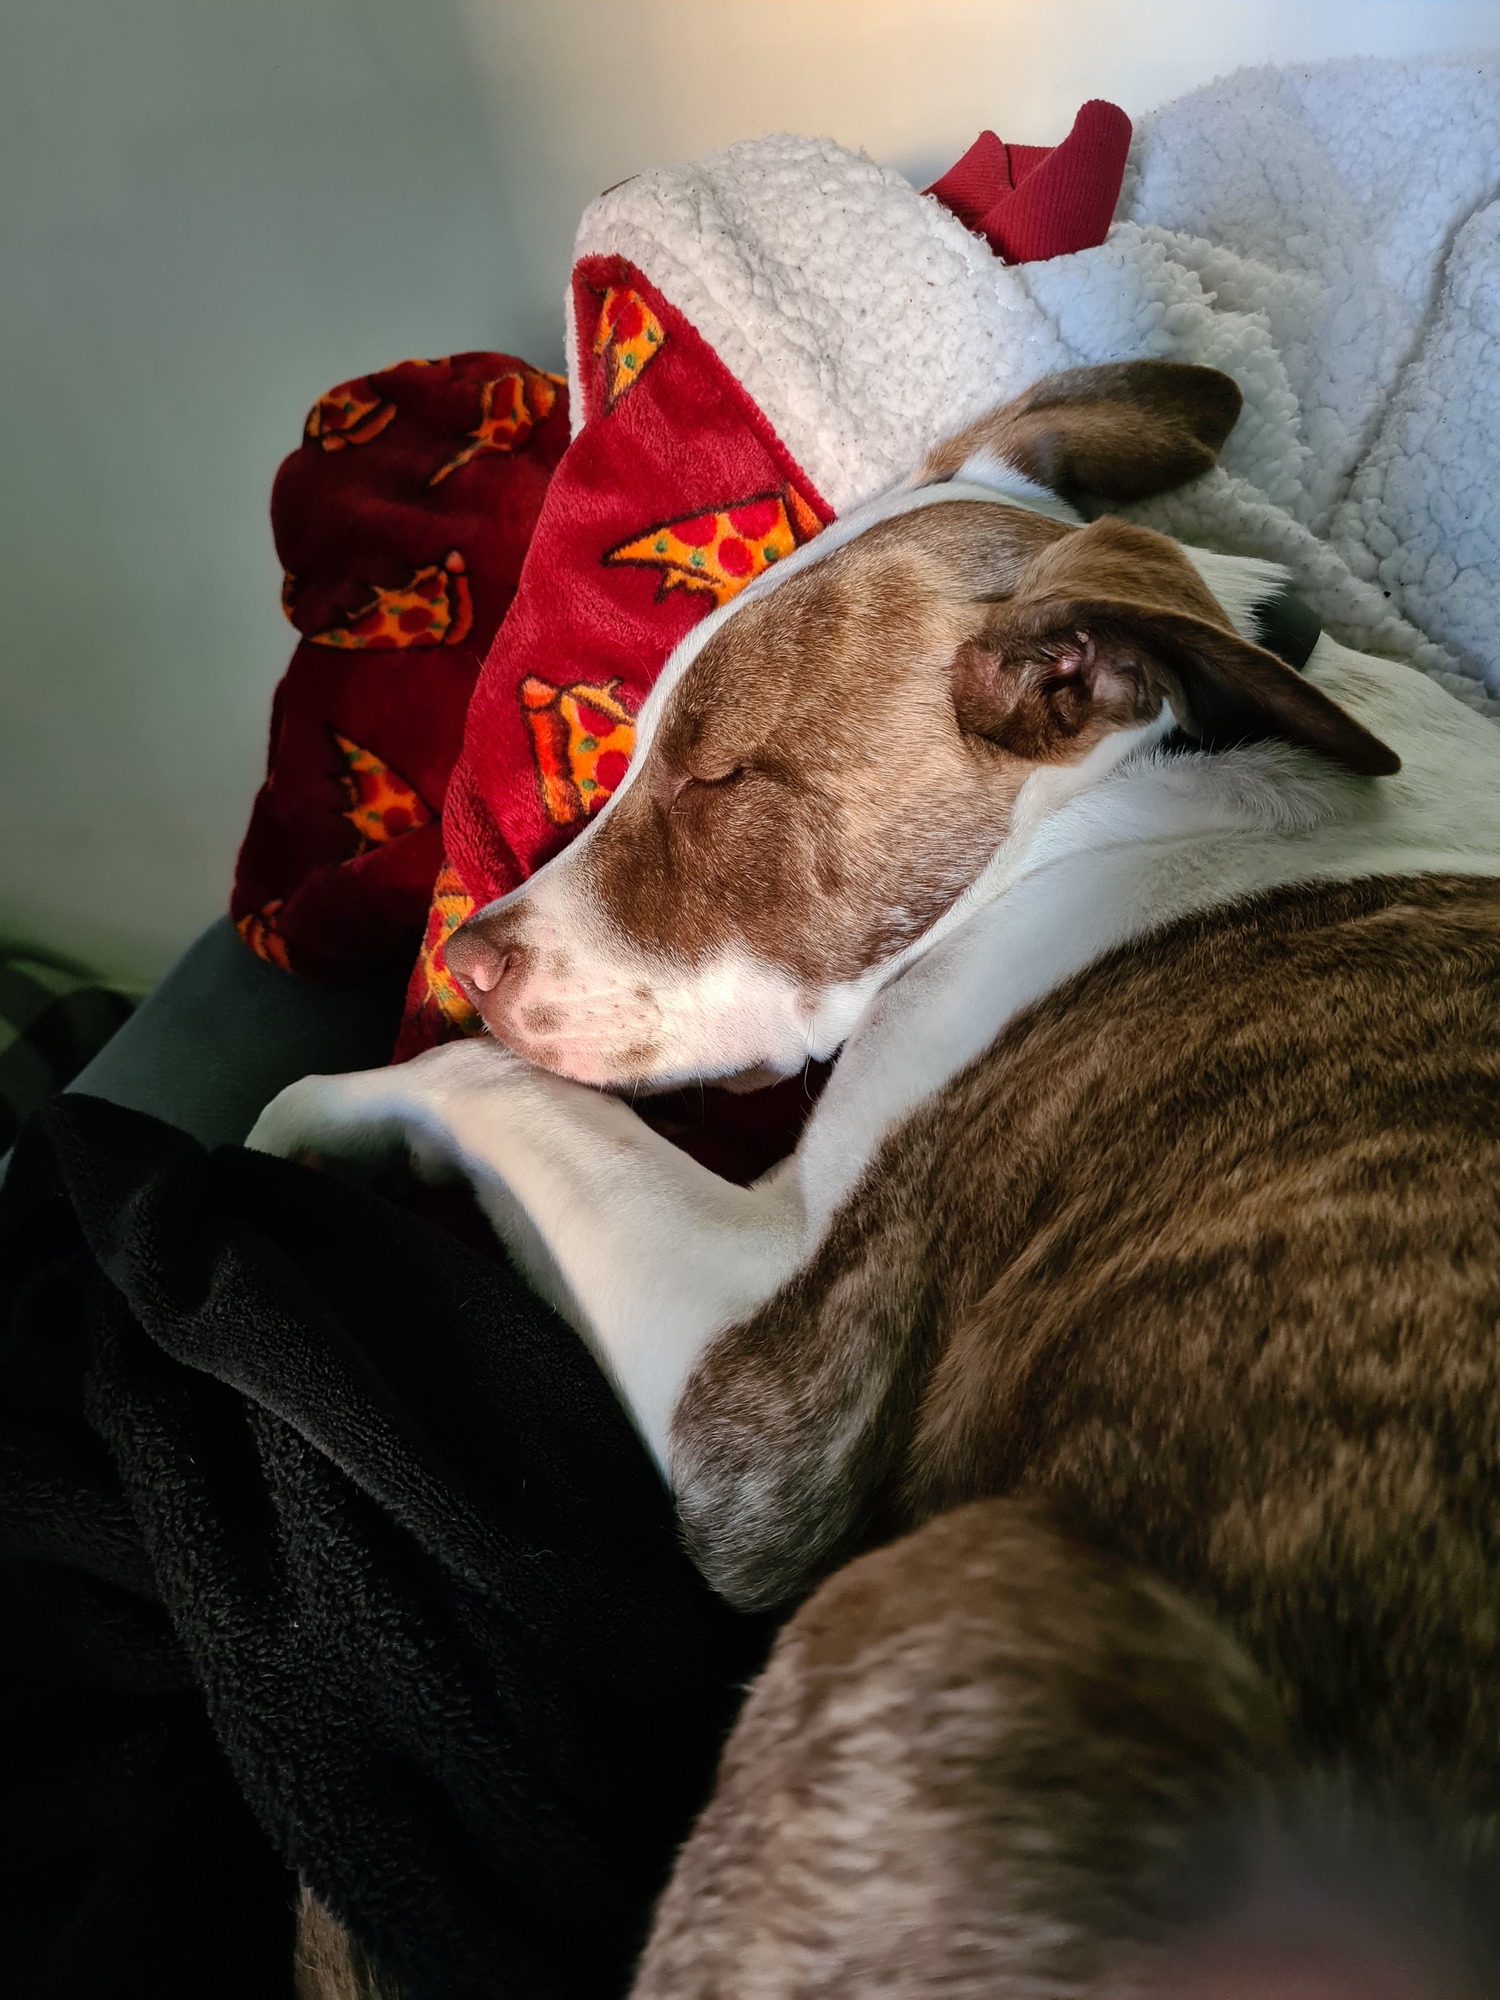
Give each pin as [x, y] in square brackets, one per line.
[381, 804]
[432, 608]
[719, 552]
[581, 737]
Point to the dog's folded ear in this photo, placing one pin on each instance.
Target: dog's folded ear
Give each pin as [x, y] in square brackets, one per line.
[1108, 623]
[1122, 431]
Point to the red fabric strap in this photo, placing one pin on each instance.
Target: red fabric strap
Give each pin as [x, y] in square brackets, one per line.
[1034, 202]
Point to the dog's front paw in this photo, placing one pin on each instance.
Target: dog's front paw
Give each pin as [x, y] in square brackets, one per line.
[327, 1118]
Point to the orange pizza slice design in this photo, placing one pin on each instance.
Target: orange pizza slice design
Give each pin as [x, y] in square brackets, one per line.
[353, 413]
[381, 804]
[260, 931]
[581, 737]
[510, 405]
[628, 336]
[720, 552]
[432, 608]
[440, 990]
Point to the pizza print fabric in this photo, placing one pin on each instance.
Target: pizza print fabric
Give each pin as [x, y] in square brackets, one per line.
[627, 337]
[402, 522]
[722, 551]
[673, 495]
[581, 738]
[480, 618]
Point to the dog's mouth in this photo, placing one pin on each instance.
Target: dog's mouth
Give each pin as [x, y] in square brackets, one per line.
[763, 1076]
[636, 1068]
[628, 1066]
[588, 1044]
[647, 1055]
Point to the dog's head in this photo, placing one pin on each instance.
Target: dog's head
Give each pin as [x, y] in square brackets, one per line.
[831, 761]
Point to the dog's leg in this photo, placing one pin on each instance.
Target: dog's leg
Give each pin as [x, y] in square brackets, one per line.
[975, 1764]
[644, 1252]
[790, 1434]
[329, 1965]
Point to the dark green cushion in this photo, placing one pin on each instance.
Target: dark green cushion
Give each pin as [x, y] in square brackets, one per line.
[52, 1022]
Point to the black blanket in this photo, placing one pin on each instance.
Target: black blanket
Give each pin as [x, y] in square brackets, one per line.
[325, 1552]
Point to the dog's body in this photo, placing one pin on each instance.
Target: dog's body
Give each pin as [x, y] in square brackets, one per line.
[1159, 1167]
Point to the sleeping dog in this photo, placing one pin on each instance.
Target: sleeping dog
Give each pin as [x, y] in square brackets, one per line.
[1152, 1204]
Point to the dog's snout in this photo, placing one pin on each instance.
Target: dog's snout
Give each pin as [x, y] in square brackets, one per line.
[479, 961]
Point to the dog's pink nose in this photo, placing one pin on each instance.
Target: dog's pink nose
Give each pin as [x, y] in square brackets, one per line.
[475, 962]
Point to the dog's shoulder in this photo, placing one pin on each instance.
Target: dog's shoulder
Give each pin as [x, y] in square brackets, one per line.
[1234, 1183]
[1148, 1212]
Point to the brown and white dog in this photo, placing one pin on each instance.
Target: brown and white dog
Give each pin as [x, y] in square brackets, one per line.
[1153, 1197]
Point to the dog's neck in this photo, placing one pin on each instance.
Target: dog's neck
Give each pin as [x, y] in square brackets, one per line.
[1142, 842]
[1041, 799]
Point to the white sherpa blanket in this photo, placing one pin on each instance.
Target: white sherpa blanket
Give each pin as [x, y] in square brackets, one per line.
[1329, 236]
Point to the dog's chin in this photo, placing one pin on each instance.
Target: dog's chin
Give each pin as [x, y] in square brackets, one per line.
[577, 1064]
[644, 1071]
[761, 1077]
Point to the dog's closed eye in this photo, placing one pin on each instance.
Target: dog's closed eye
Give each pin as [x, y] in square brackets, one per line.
[692, 784]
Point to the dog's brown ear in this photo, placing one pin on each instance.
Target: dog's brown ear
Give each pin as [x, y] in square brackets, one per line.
[1112, 620]
[1122, 431]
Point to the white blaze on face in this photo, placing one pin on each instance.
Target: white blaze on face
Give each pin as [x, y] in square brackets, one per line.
[596, 1007]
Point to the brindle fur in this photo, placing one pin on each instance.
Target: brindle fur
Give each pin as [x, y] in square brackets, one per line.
[995, 1758]
[1204, 1251]
[962, 1771]
[1210, 1242]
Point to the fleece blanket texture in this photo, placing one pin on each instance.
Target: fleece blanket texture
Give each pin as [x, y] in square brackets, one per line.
[325, 1552]
[1327, 235]
[401, 521]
